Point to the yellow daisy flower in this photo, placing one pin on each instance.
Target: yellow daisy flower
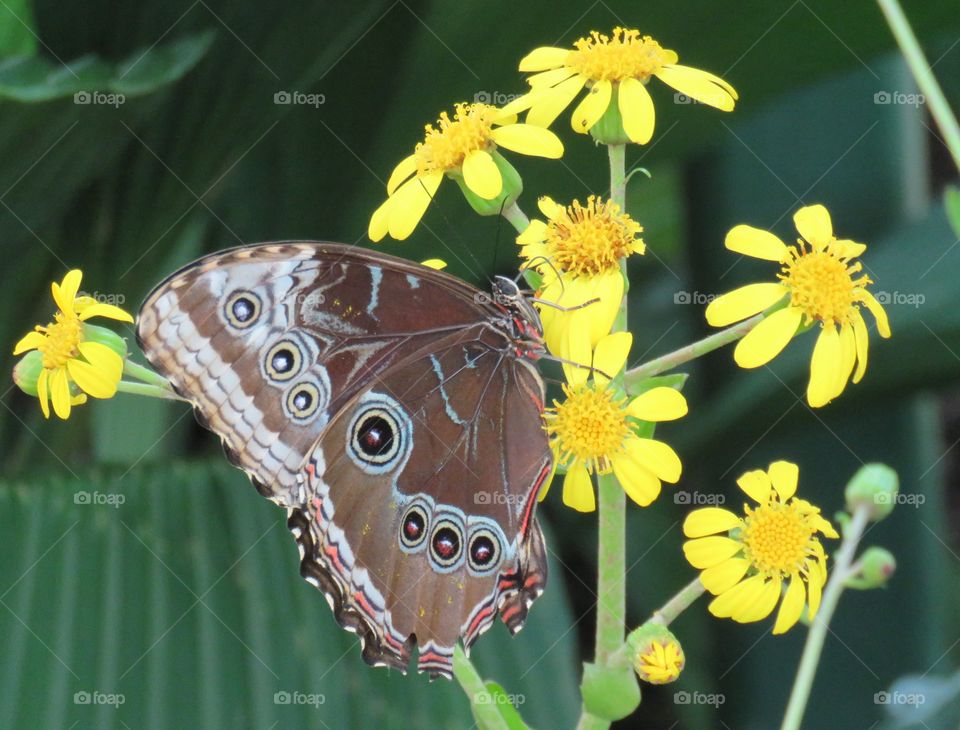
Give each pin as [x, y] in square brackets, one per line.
[70, 357]
[616, 70]
[466, 149]
[578, 250]
[593, 430]
[824, 285]
[660, 662]
[746, 560]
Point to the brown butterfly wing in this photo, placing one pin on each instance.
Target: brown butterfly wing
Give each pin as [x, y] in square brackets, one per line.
[468, 456]
[333, 315]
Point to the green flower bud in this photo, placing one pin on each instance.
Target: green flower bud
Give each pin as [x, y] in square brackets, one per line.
[657, 655]
[875, 488]
[610, 693]
[877, 566]
[103, 336]
[512, 187]
[27, 371]
[609, 128]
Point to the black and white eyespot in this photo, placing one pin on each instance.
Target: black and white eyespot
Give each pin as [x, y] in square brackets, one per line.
[380, 434]
[283, 361]
[307, 399]
[414, 528]
[242, 309]
[484, 548]
[446, 543]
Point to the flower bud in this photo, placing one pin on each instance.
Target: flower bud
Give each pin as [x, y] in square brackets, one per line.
[875, 488]
[877, 566]
[512, 187]
[103, 336]
[657, 654]
[27, 371]
[609, 128]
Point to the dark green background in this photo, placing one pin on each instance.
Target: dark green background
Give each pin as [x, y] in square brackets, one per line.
[186, 598]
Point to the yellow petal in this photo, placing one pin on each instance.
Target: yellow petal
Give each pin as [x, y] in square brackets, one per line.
[608, 288]
[105, 310]
[591, 107]
[848, 249]
[548, 482]
[66, 291]
[710, 521]
[784, 476]
[437, 264]
[549, 207]
[575, 347]
[543, 58]
[814, 592]
[554, 76]
[410, 203]
[743, 302]
[765, 341]
[756, 485]
[636, 110]
[814, 224]
[641, 485]
[656, 456]
[863, 345]
[528, 139]
[763, 605]
[792, 606]
[535, 232]
[482, 175]
[578, 490]
[755, 242]
[883, 325]
[30, 341]
[406, 168]
[705, 552]
[91, 380]
[380, 221]
[848, 357]
[43, 392]
[658, 404]
[738, 598]
[700, 85]
[60, 393]
[102, 358]
[610, 355]
[548, 104]
[823, 367]
[721, 578]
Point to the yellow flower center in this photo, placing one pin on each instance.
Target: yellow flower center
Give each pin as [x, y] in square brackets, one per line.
[447, 147]
[777, 537]
[625, 55]
[589, 240]
[589, 426]
[61, 340]
[822, 283]
[660, 663]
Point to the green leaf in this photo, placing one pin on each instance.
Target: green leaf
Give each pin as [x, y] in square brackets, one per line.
[17, 35]
[951, 201]
[673, 380]
[505, 705]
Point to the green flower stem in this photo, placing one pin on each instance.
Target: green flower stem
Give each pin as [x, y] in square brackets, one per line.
[485, 711]
[516, 217]
[148, 389]
[665, 615]
[920, 68]
[144, 374]
[810, 658]
[635, 376]
[618, 174]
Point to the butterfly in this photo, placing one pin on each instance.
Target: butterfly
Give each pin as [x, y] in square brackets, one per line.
[393, 410]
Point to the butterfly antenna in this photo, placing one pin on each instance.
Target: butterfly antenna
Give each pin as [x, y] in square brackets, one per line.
[463, 243]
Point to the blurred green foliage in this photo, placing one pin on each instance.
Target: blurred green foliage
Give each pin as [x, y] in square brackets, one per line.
[199, 157]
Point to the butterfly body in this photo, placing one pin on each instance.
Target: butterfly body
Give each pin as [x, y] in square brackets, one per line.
[393, 410]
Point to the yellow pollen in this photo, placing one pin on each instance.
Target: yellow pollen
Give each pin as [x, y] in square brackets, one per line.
[61, 339]
[590, 426]
[777, 538]
[822, 283]
[624, 55]
[589, 240]
[447, 147]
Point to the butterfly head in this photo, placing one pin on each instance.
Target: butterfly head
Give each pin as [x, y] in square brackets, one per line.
[526, 320]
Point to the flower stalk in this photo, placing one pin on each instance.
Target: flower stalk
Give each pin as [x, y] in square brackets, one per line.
[480, 698]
